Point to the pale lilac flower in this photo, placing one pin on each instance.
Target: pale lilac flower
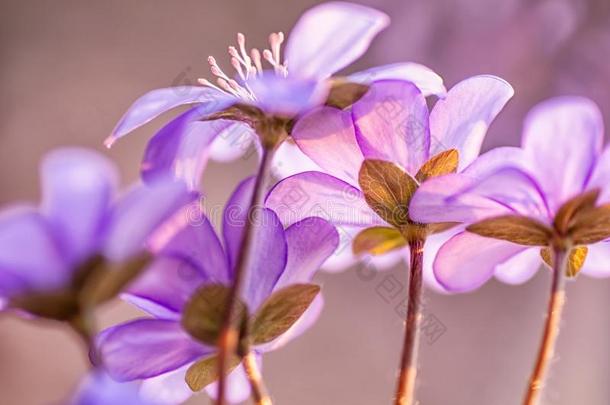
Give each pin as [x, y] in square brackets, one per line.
[326, 39]
[158, 349]
[97, 388]
[391, 122]
[47, 248]
[561, 157]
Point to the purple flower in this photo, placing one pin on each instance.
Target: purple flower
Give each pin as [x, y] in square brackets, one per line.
[159, 349]
[97, 388]
[49, 251]
[227, 116]
[552, 182]
[392, 123]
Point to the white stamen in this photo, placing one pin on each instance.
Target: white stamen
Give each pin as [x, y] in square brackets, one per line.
[256, 57]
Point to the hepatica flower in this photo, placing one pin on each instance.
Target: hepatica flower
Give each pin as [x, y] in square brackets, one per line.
[267, 91]
[372, 157]
[81, 245]
[522, 202]
[183, 290]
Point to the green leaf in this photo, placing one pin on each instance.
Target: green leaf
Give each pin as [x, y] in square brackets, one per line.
[204, 313]
[387, 190]
[442, 163]
[281, 310]
[343, 93]
[205, 371]
[591, 225]
[514, 228]
[378, 240]
[107, 280]
[566, 213]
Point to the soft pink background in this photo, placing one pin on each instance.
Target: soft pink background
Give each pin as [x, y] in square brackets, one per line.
[68, 69]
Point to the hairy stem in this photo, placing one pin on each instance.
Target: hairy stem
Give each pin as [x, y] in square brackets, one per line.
[255, 378]
[405, 391]
[229, 335]
[551, 328]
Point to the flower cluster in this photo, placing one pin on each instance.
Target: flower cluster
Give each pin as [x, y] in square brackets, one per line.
[380, 165]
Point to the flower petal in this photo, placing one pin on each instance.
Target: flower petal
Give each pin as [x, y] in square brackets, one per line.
[330, 36]
[562, 138]
[29, 255]
[234, 219]
[146, 348]
[391, 122]
[519, 268]
[310, 242]
[426, 80]
[168, 388]
[460, 120]
[180, 148]
[326, 135]
[597, 261]
[238, 387]
[600, 178]
[289, 160]
[288, 96]
[316, 194]
[467, 261]
[97, 388]
[141, 212]
[78, 186]
[156, 102]
[232, 143]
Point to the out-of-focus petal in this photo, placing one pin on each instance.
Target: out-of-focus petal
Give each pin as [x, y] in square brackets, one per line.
[167, 389]
[29, 255]
[562, 138]
[519, 268]
[140, 212]
[287, 96]
[180, 148]
[391, 122]
[326, 135]
[316, 194]
[426, 80]
[330, 36]
[310, 242]
[289, 160]
[460, 120]
[268, 260]
[234, 219]
[238, 387]
[597, 261]
[433, 244]
[97, 388]
[78, 186]
[146, 348]
[467, 261]
[232, 143]
[156, 102]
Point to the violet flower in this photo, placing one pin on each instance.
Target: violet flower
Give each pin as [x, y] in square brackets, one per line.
[80, 245]
[560, 159]
[160, 350]
[390, 122]
[548, 201]
[226, 117]
[97, 388]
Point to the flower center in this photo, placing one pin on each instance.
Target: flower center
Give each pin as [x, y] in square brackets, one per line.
[248, 66]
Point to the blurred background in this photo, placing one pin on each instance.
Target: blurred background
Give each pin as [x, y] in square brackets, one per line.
[69, 69]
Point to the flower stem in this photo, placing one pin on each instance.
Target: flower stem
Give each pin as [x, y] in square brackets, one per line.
[229, 334]
[405, 391]
[259, 391]
[551, 328]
